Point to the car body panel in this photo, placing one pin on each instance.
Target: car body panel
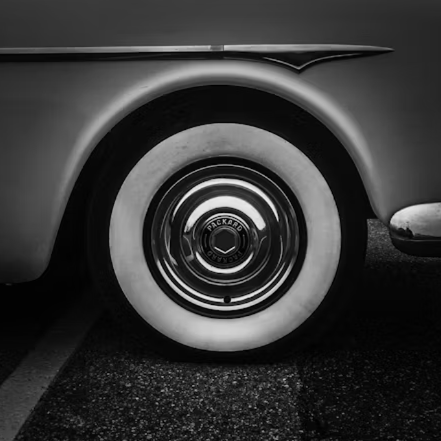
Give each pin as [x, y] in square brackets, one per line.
[193, 22]
[384, 110]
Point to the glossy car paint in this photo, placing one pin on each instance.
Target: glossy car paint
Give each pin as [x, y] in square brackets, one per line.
[384, 109]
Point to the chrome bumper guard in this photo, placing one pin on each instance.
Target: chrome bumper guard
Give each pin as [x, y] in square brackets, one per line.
[416, 230]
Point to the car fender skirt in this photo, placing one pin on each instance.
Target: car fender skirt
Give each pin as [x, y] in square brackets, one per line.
[416, 230]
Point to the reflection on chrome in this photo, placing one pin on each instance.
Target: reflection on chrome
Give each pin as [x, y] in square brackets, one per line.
[214, 269]
[192, 221]
[212, 183]
[226, 203]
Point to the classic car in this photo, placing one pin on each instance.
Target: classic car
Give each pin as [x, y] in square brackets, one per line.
[218, 160]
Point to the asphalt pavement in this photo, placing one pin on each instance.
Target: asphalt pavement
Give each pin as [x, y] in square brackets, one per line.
[378, 378]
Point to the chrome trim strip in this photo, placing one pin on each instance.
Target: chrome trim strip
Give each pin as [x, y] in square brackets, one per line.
[106, 50]
[300, 56]
[297, 56]
[302, 48]
[255, 48]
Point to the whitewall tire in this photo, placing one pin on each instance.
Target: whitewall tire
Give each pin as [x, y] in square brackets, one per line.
[222, 239]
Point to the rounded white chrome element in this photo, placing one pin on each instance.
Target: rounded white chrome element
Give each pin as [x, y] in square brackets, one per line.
[418, 222]
[416, 230]
[224, 236]
[190, 328]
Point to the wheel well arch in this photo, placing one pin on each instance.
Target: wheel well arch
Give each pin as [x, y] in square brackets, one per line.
[71, 237]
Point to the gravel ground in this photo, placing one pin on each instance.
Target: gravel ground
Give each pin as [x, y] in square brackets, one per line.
[377, 379]
[380, 377]
[113, 389]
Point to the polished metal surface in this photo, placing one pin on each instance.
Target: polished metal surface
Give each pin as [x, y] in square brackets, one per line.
[416, 230]
[224, 237]
[297, 56]
[107, 49]
[301, 56]
[256, 48]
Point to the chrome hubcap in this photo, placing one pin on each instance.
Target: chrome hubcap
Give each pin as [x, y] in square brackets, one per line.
[224, 238]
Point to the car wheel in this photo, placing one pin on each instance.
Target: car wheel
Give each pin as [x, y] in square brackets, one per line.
[223, 239]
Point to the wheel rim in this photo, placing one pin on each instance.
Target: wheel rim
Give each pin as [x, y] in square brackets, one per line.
[224, 237]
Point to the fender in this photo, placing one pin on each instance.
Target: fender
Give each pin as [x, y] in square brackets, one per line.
[53, 115]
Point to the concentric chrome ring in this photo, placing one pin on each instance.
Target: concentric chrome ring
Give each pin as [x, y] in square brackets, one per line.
[224, 237]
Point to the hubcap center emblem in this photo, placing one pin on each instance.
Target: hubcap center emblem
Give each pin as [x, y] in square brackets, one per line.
[225, 241]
